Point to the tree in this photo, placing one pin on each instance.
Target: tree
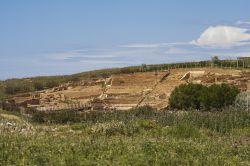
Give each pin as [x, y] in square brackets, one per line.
[144, 67]
[215, 60]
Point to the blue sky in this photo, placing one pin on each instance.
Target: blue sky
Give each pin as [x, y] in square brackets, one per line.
[49, 37]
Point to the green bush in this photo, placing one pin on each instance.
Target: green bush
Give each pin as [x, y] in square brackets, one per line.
[63, 116]
[147, 124]
[143, 111]
[197, 96]
[218, 96]
[13, 88]
[186, 96]
[38, 85]
[52, 84]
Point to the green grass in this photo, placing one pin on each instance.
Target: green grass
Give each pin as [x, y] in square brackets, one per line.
[130, 138]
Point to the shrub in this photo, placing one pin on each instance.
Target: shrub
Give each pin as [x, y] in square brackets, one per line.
[147, 124]
[63, 116]
[197, 96]
[186, 96]
[12, 89]
[143, 111]
[38, 85]
[218, 96]
[109, 128]
[240, 103]
[9, 106]
[15, 87]
[52, 83]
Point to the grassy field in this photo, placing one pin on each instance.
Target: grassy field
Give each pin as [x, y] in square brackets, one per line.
[136, 137]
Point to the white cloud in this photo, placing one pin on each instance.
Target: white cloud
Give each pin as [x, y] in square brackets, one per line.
[140, 45]
[154, 45]
[235, 54]
[243, 22]
[223, 37]
[108, 62]
[149, 53]
[65, 55]
[174, 50]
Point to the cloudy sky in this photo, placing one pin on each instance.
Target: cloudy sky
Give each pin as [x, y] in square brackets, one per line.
[48, 37]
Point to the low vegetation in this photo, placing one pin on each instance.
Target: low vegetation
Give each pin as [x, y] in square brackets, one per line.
[137, 137]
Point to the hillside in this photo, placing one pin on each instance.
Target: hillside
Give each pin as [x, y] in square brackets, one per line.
[54, 125]
[23, 85]
[126, 91]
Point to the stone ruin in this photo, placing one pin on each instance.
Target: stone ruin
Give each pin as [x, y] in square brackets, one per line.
[125, 91]
[240, 81]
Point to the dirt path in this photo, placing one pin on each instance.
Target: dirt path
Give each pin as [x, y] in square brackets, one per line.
[10, 117]
[154, 87]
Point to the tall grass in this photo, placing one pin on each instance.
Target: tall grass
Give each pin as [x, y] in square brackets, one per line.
[136, 137]
[223, 121]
